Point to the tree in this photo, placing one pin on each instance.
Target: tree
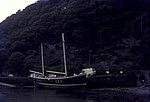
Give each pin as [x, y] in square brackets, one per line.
[3, 58]
[16, 63]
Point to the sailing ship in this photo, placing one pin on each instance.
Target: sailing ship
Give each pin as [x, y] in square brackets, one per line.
[58, 79]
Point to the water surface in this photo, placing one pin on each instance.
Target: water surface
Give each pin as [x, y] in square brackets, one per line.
[31, 95]
[86, 95]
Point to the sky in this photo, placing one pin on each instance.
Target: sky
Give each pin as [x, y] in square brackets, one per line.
[9, 7]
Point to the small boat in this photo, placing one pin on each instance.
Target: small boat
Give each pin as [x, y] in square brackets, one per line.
[16, 82]
[58, 79]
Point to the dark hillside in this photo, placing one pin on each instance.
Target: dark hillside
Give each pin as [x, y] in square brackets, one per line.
[105, 34]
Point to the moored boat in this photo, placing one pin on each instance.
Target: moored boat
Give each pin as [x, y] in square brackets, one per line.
[58, 79]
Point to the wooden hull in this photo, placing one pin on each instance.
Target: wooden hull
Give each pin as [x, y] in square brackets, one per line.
[78, 81]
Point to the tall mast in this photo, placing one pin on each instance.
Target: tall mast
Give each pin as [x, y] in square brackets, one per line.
[42, 58]
[89, 57]
[64, 54]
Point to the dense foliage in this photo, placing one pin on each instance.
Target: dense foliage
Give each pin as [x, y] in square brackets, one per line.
[104, 34]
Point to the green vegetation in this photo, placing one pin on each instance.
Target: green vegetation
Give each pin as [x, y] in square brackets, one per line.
[114, 34]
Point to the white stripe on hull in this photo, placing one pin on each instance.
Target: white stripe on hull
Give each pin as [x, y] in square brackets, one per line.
[63, 85]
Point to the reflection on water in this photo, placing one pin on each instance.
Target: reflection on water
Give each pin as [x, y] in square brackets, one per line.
[30, 95]
[98, 95]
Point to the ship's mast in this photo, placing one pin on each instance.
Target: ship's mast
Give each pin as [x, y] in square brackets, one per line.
[64, 54]
[42, 59]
